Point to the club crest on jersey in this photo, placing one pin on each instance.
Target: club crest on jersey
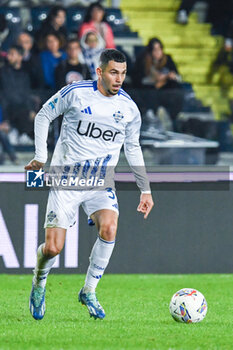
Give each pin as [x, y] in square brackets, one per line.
[51, 216]
[118, 116]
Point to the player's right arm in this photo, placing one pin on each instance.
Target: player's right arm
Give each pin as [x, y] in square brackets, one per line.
[54, 107]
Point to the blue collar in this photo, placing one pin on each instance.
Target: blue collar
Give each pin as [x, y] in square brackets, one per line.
[95, 85]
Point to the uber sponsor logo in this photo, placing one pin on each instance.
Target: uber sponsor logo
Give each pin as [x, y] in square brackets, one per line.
[26, 258]
[90, 130]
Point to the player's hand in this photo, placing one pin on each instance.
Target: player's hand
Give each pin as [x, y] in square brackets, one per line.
[4, 126]
[32, 115]
[172, 75]
[34, 165]
[146, 204]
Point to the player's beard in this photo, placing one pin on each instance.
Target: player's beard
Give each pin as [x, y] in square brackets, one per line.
[107, 88]
[112, 93]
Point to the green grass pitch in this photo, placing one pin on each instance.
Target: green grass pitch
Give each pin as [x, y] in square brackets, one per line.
[137, 314]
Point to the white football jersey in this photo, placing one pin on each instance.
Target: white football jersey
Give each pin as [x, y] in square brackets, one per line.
[94, 128]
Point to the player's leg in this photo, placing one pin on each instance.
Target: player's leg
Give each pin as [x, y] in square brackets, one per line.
[106, 223]
[102, 207]
[47, 252]
[61, 210]
[46, 256]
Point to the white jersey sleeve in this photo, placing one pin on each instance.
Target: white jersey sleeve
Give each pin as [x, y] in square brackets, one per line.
[54, 107]
[134, 154]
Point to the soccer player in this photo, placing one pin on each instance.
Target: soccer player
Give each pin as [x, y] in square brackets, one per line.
[99, 117]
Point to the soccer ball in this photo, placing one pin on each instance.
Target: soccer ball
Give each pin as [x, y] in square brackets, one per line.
[188, 306]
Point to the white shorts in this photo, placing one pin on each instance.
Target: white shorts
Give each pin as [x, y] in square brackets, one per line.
[63, 205]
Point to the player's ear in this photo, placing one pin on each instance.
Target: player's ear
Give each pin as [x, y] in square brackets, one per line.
[98, 72]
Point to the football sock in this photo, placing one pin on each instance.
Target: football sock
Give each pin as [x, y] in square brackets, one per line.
[99, 258]
[43, 266]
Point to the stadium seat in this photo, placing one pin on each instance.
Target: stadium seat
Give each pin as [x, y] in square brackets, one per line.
[75, 17]
[126, 34]
[12, 14]
[115, 19]
[155, 5]
[38, 15]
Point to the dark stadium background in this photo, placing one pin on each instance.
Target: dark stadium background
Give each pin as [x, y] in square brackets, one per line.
[191, 222]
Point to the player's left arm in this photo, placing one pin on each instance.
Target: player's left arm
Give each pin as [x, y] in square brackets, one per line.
[135, 159]
[146, 204]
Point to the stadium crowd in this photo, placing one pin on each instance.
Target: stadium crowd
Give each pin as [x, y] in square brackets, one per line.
[34, 64]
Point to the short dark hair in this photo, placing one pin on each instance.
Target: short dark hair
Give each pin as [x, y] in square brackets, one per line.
[27, 33]
[55, 34]
[18, 48]
[111, 55]
[71, 41]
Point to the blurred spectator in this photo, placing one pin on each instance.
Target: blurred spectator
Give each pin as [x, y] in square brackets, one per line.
[2, 58]
[31, 61]
[71, 69]
[95, 21]
[228, 45]
[184, 10]
[224, 59]
[5, 143]
[51, 58]
[17, 105]
[156, 70]
[92, 45]
[223, 64]
[219, 13]
[54, 23]
[8, 33]
[225, 55]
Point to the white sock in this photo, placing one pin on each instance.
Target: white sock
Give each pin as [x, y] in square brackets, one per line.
[43, 266]
[99, 258]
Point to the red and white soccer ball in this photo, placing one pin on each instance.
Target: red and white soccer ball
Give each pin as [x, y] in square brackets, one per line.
[188, 306]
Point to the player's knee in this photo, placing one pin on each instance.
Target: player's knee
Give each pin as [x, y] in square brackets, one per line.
[108, 231]
[52, 250]
[54, 242]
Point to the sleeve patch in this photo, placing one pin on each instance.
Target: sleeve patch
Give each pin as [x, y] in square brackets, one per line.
[52, 103]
